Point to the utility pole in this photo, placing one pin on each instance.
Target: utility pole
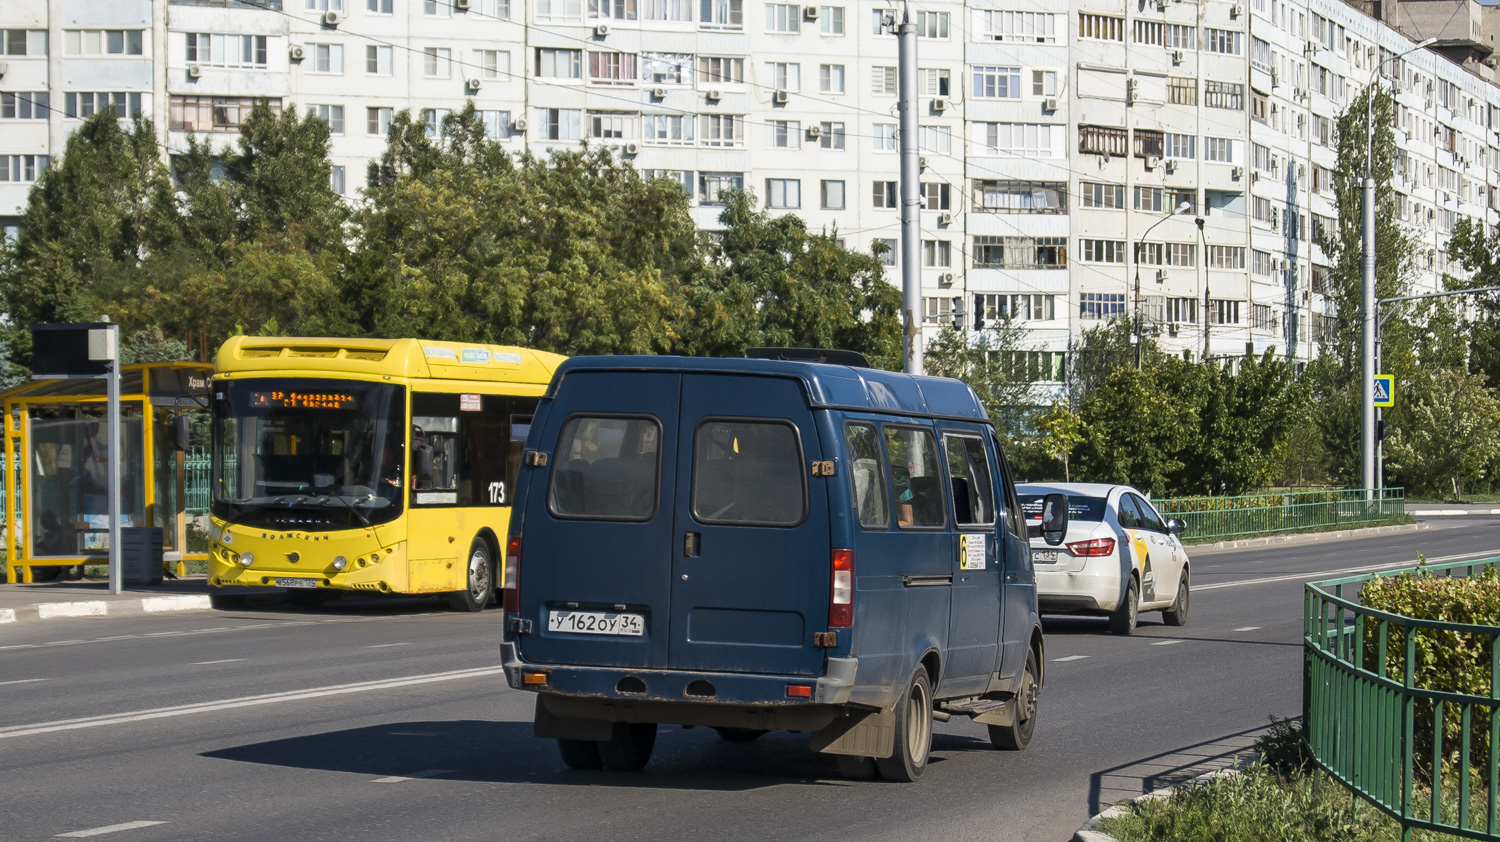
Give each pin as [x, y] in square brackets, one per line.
[911, 187]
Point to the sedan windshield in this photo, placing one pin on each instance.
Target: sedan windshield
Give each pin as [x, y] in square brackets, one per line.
[308, 453]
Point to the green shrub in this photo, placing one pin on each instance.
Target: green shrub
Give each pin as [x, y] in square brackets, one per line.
[1452, 661]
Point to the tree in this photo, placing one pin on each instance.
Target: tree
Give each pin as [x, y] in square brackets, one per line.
[1061, 432]
[995, 365]
[1454, 435]
[152, 346]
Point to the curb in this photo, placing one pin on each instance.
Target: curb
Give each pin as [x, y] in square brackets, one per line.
[1310, 537]
[1452, 512]
[1087, 833]
[111, 608]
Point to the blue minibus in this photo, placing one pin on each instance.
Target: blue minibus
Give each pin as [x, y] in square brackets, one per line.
[768, 544]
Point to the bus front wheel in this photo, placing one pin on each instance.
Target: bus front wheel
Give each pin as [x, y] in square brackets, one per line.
[479, 580]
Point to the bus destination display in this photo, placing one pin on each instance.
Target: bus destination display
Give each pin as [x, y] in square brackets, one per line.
[303, 400]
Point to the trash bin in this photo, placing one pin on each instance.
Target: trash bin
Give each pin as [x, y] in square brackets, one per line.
[141, 555]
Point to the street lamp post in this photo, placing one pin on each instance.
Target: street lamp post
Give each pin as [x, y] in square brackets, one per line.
[1182, 207]
[1370, 328]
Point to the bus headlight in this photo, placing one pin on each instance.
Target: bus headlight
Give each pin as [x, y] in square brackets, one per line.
[339, 562]
[247, 559]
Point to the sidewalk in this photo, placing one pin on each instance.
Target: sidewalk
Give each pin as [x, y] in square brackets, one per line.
[1452, 509]
[56, 600]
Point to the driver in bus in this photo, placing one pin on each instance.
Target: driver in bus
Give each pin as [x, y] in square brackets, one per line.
[390, 474]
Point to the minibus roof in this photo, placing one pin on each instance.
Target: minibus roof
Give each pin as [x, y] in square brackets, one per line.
[827, 386]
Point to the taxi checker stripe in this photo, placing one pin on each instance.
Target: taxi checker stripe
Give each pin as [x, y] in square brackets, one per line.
[243, 701]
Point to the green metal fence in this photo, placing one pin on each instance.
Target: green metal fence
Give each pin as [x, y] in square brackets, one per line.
[1381, 734]
[1287, 511]
[195, 465]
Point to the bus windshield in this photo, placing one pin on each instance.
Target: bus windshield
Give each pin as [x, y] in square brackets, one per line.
[308, 454]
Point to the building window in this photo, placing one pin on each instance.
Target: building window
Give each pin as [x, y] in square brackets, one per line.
[885, 137]
[1182, 91]
[1149, 254]
[612, 9]
[612, 68]
[1033, 140]
[23, 42]
[336, 179]
[328, 58]
[1149, 32]
[668, 129]
[1148, 199]
[932, 82]
[435, 8]
[833, 195]
[831, 78]
[1219, 150]
[887, 195]
[992, 252]
[887, 249]
[1028, 307]
[932, 24]
[228, 51]
[1096, 305]
[935, 139]
[668, 10]
[1020, 27]
[667, 68]
[1223, 311]
[883, 81]
[1224, 203]
[35, 105]
[492, 64]
[1148, 143]
[560, 123]
[783, 17]
[333, 115]
[784, 134]
[1176, 197]
[1226, 257]
[716, 69]
[997, 82]
[437, 62]
[378, 60]
[378, 121]
[559, 64]
[1104, 196]
[87, 42]
[85, 104]
[937, 254]
[1101, 140]
[1181, 37]
[379, 7]
[325, 5]
[1180, 310]
[1020, 197]
[723, 130]
[1259, 107]
[936, 310]
[611, 125]
[831, 20]
[1044, 83]
[1223, 94]
[1103, 27]
[783, 193]
[1102, 251]
[559, 11]
[682, 178]
[784, 75]
[1261, 317]
[722, 14]
[1181, 146]
[1182, 254]
[206, 113]
[832, 135]
[1225, 41]
[22, 168]
[936, 196]
[1260, 262]
[496, 124]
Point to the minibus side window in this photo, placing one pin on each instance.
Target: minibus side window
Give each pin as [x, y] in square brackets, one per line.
[867, 476]
[748, 473]
[1014, 518]
[607, 468]
[916, 477]
[969, 472]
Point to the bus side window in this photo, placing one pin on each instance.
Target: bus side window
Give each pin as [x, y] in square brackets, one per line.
[470, 446]
[521, 410]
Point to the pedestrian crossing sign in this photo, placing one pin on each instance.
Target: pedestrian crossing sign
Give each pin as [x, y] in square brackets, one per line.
[1385, 390]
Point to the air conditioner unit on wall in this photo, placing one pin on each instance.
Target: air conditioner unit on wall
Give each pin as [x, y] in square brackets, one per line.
[1236, 10]
[1049, 104]
[809, 12]
[296, 53]
[632, 148]
[659, 93]
[781, 98]
[472, 84]
[518, 124]
[815, 131]
[940, 104]
[1237, 173]
[945, 219]
[714, 95]
[333, 17]
[1171, 165]
[1161, 276]
[601, 30]
[194, 71]
[1152, 162]
[1177, 56]
[461, 5]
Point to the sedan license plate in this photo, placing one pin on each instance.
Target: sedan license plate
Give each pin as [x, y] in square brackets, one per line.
[596, 622]
[296, 583]
[1043, 556]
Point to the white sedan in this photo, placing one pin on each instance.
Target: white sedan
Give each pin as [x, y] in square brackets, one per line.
[1118, 558]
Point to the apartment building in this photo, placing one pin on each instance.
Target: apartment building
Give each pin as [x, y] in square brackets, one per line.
[1081, 159]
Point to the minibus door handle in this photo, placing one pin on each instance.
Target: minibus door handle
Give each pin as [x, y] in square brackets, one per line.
[692, 544]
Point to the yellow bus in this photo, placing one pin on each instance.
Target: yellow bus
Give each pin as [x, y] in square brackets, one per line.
[375, 465]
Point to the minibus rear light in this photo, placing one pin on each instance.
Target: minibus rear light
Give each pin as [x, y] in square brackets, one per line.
[534, 679]
[841, 590]
[799, 691]
[1096, 547]
[511, 575]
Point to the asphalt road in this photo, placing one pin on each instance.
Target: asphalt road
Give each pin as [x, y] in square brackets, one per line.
[392, 722]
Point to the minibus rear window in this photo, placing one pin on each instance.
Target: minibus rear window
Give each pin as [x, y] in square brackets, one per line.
[606, 469]
[748, 473]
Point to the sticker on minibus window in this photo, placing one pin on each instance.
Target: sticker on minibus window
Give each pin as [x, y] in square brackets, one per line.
[971, 551]
[470, 403]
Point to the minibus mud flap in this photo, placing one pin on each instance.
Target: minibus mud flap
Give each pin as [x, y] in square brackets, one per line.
[862, 733]
[546, 724]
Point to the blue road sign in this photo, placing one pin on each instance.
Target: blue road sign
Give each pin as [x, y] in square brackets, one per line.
[1385, 390]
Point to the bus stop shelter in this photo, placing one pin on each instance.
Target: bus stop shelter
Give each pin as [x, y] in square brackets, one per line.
[55, 469]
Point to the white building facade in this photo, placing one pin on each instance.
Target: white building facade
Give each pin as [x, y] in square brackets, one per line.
[1059, 137]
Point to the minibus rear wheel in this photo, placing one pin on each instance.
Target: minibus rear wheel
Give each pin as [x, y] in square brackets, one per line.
[913, 731]
[580, 754]
[629, 746]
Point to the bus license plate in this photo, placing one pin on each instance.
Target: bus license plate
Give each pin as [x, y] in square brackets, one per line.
[296, 583]
[596, 622]
[1043, 556]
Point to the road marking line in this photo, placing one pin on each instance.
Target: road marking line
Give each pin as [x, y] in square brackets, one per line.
[1323, 574]
[385, 645]
[9, 731]
[24, 681]
[425, 773]
[1247, 628]
[1069, 658]
[225, 661]
[1165, 642]
[100, 831]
